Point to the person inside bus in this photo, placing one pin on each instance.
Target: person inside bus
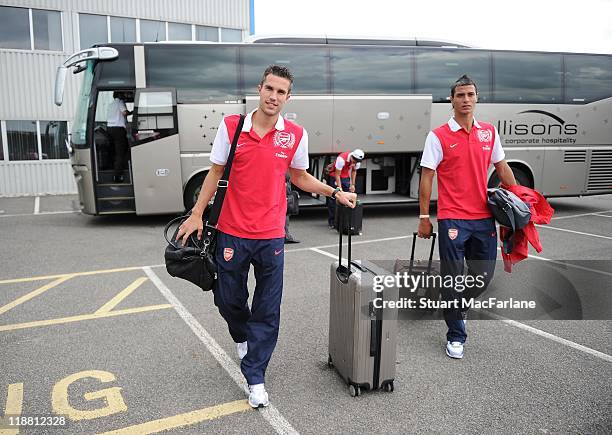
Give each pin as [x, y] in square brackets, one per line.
[342, 173]
[116, 126]
[460, 153]
[251, 224]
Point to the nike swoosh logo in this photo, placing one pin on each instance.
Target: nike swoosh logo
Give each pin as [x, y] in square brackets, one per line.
[239, 145]
[454, 145]
[277, 252]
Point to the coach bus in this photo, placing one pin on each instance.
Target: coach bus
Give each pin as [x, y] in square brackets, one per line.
[553, 112]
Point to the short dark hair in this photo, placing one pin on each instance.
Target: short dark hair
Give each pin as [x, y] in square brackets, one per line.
[464, 80]
[279, 71]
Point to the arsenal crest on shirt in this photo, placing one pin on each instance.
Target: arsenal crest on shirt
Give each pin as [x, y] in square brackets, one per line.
[284, 139]
[228, 254]
[485, 135]
[452, 233]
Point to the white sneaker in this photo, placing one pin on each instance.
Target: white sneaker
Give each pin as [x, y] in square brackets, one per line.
[242, 349]
[454, 349]
[258, 397]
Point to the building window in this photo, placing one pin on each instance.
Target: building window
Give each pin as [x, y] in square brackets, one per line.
[93, 29]
[179, 32]
[47, 30]
[231, 35]
[152, 31]
[22, 140]
[123, 29]
[53, 135]
[14, 28]
[206, 33]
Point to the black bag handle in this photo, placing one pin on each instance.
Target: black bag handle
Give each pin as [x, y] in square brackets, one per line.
[223, 182]
[433, 244]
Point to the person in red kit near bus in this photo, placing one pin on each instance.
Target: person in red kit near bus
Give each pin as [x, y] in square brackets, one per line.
[251, 227]
[460, 152]
[342, 174]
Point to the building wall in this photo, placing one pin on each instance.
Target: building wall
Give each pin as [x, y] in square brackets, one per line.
[27, 76]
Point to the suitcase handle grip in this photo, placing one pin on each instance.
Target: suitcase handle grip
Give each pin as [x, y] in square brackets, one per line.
[344, 272]
[431, 250]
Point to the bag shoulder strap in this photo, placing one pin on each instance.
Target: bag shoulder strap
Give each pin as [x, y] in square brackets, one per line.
[224, 180]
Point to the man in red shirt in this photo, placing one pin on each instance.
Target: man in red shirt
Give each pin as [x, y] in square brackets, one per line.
[461, 151]
[343, 174]
[252, 221]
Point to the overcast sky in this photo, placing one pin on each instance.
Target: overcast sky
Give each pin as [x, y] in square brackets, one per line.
[583, 26]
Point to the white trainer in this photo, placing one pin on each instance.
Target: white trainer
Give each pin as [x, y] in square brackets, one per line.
[258, 397]
[454, 349]
[242, 349]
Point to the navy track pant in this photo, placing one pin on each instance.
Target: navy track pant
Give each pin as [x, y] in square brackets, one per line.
[474, 241]
[257, 325]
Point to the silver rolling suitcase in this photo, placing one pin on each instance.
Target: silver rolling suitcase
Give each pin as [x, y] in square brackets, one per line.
[362, 336]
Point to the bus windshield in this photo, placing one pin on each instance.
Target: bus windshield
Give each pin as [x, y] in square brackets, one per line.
[79, 126]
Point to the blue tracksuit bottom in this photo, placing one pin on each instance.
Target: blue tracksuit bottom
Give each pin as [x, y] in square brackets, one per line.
[474, 241]
[257, 325]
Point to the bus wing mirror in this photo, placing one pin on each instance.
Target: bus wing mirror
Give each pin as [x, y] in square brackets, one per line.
[60, 79]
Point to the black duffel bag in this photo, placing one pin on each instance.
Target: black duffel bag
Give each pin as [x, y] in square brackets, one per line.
[509, 211]
[195, 261]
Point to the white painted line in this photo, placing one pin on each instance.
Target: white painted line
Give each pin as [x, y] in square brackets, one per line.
[1, 211]
[37, 205]
[573, 345]
[579, 215]
[39, 214]
[270, 413]
[548, 227]
[602, 215]
[358, 242]
[574, 266]
[328, 254]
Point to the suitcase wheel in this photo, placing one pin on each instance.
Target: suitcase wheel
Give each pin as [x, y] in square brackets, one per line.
[354, 391]
[330, 363]
[388, 387]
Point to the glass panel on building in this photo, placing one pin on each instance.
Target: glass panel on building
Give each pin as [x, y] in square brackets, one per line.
[374, 70]
[527, 77]
[1, 145]
[47, 30]
[22, 142]
[152, 31]
[438, 69]
[14, 28]
[231, 35]
[204, 75]
[53, 135]
[308, 65]
[588, 78]
[123, 29]
[179, 32]
[92, 29]
[205, 33]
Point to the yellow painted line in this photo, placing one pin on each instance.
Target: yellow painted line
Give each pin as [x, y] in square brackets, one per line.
[33, 294]
[107, 307]
[91, 272]
[185, 419]
[14, 406]
[72, 319]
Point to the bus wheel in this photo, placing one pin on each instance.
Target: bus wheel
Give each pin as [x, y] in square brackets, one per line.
[192, 191]
[519, 175]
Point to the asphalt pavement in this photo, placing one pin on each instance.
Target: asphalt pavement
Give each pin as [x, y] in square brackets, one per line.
[93, 329]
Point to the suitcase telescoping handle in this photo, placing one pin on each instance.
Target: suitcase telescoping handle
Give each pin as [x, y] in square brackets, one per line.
[344, 272]
[433, 244]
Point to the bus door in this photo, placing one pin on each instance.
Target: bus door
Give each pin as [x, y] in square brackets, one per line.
[155, 154]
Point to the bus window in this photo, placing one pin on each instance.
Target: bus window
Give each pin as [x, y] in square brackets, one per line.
[527, 77]
[200, 74]
[588, 78]
[438, 69]
[307, 64]
[371, 70]
[119, 72]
